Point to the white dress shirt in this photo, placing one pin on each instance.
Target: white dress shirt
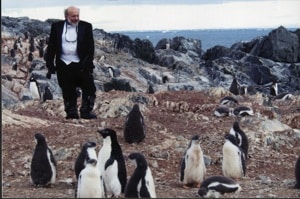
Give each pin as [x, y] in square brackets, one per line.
[69, 44]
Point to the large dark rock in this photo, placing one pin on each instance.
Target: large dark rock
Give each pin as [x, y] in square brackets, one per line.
[280, 45]
[144, 50]
[118, 84]
[215, 52]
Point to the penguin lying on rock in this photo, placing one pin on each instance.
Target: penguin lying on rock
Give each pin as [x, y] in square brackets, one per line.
[215, 186]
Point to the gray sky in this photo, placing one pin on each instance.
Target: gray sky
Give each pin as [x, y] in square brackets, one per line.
[116, 15]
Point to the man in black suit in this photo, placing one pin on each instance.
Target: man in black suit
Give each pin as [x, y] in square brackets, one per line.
[71, 48]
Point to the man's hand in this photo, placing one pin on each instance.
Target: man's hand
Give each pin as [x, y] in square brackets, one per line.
[51, 70]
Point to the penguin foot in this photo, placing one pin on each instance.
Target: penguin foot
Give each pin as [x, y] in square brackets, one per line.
[186, 186]
[198, 184]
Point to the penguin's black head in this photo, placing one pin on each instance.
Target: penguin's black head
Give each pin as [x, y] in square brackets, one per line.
[202, 191]
[136, 107]
[138, 159]
[92, 162]
[107, 132]
[195, 137]
[89, 145]
[195, 140]
[236, 126]
[231, 138]
[32, 79]
[39, 138]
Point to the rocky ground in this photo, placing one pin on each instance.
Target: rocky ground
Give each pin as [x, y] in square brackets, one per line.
[171, 119]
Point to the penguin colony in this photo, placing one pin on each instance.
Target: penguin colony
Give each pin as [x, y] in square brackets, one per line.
[105, 174]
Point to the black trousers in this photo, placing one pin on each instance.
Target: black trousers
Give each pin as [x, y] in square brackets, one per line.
[74, 75]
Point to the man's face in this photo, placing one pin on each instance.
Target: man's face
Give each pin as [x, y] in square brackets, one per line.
[73, 16]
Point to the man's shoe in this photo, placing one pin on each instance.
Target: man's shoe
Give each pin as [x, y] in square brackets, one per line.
[88, 116]
[72, 116]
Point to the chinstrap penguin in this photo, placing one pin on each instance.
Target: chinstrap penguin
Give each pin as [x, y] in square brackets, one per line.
[221, 111]
[141, 183]
[229, 101]
[192, 168]
[242, 139]
[89, 183]
[233, 163]
[283, 97]
[111, 164]
[234, 87]
[134, 126]
[111, 72]
[87, 152]
[47, 94]
[216, 186]
[43, 164]
[34, 88]
[275, 96]
[150, 89]
[241, 111]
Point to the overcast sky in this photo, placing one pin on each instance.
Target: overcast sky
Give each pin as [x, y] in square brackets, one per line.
[118, 15]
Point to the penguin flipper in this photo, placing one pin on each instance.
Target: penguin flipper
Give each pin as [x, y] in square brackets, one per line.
[52, 159]
[144, 193]
[182, 168]
[242, 154]
[109, 162]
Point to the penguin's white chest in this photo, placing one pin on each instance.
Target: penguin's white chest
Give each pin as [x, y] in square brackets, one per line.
[150, 183]
[103, 156]
[53, 168]
[195, 168]
[232, 164]
[89, 184]
[34, 90]
[111, 179]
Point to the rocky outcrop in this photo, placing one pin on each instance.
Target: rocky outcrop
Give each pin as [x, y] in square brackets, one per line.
[280, 45]
[173, 64]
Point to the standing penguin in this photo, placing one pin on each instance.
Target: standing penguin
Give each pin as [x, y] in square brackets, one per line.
[111, 72]
[150, 89]
[234, 87]
[87, 152]
[215, 186]
[233, 164]
[242, 139]
[30, 57]
[43, 164]
[134, 127]
[47, 95]
[141, 183]
[112, 164]
[89, 181]
[297, 173]
[274, 89]
[193, 168]
[34, 88]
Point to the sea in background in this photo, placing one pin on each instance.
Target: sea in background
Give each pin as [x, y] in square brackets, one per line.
[209, 37]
